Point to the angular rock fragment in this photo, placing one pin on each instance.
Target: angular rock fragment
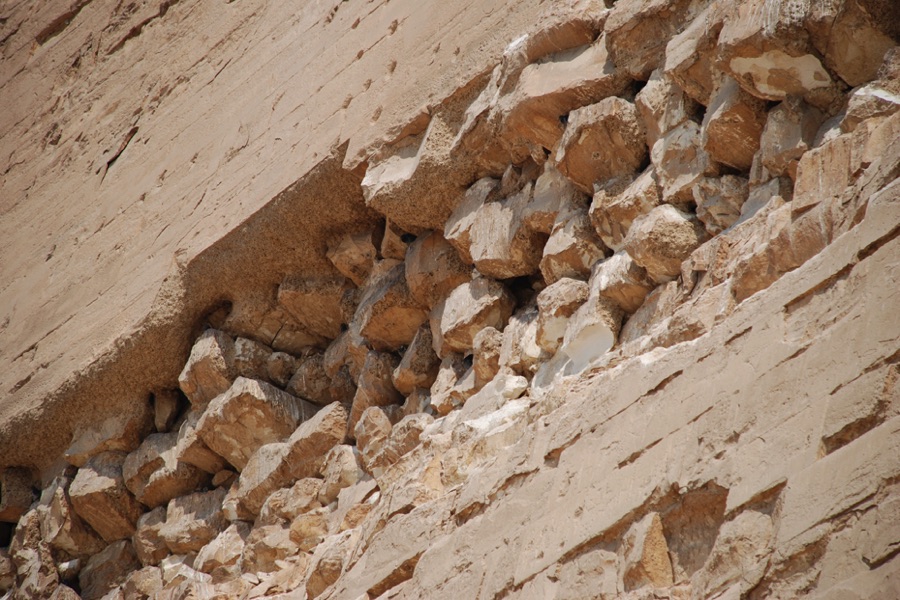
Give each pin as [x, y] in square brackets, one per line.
[143, 584]
[328, 562]
[691, 55]
[553, 192]
[191, 449]
[403, 438]
[469, 308]
[251, 413]
[556, 303]
[601, 141]
[15, 493]
[341, 470]
[395, 242]
[221, 557]
[662, 239]
[309, 529]
[388, 315]
[311, 381]
[107, 569]
[36, 575]
[61, 527]
[419, 365]
[353, 255]
[121, 432]
[315, 302]
[789, 132]
[622, 201]
[166, 406]
[519, 351]
[445, 398]
[739, 555]
[458, 228]
[100, 497]
[285, 504]
[264, 546]
[371, 433]
[719, 201]
[375, 386]
[433, 269]
[591, 332]
[452, 371]
[573, 247]
[193, 521]
[280, 367]
[251, 358]
[621, 280]
[210, 369]
[733, 125]
[149, 545]
[154, 474]
[662, 106]
[680, 162]
[644, 555]
[486, 355]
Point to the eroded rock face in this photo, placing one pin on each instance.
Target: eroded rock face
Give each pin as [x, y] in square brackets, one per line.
[468, 309]
[210, 368]
[100, 497]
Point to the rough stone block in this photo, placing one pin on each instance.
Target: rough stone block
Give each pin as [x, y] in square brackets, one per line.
[311, 381]
[223, 554]
[375, 386]
[621, 280]
[121, 432]
[353, 255]
[662, 106]
[486, 355]
[789, 132]
[210, 369]
[193, 521]
[618, 204]
[519, 351]
[469, 308]
[315, 303]
[15, 493]
[573, 247]
[680, 162]
[154, 474]
[388, 315]
[644, 555]
[107, 570]
[419, 365]
[662, 239]
[733, 125]
[149, 545]
[100, 497]
[556, 303]
[719, 201]
[691, 55]
[342, 469]
[591, 332]
[458, 228]
[433, 269]
[61, 527]
[265, 546]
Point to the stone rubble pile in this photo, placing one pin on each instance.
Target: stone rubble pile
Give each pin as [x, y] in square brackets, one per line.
[644, 169]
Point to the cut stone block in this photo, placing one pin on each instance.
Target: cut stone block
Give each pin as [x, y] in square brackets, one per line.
[403, 438]
[486, 355]
[553, 192]
[100, 497]
[342, 469]
[371, 432]
[556, 303]
[375, 386]
[251, 358]
[419, 365]
[453, 369]
[789, 132]
[309, 529]
[388, 315]
[680, 162]
[193, 521]
[519, 351]
[107, 570]
[143, 584]
[353, 255]
[662, 106]
[572, 248]
[61, 527]
[149, 545]
[192, 450]
[265, 547]
[691, 55]
[621, 280]
[154, 474]
[733, 125]
[662, 239]
[469, 308]
[620, 203]
[433, 269]
[719, 201]
[644, 555]
[315, 303]
[210, 369]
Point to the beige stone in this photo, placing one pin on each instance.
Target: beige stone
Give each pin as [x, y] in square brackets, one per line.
[149, 545]
[61, 527]
[251, 358]
[519, 351]
[662, 106]
[662, 239]
[680, 162]
[601, 141]
[433, 269]
[154, 474]
[556, 303]
[355, 517]
[354, 255]
[419, 365]
[458, 228]
[371, 433]
[824, 173]
[192, 521]
[100, 497]
[166, 408]
[395, 241]
[486, 355]
[118, 433]
[592, 331]
[573, 247]
[404, 437]
[618, 204]
[789, 132]
[388, 315]
[210, 368]
[469, 308]
[285, 504]
[553, 192]
[445, 399]
[280, 367]
[221, 557]
[375, 386]
[328, 562]
[191, 449]
[691, 54]
[733, 125]
[15, 493]
[644, 555]
[341, 470]
[621, 280]
[739, 555]
[453, 370]
[309, 529]
[311, 382]
[264, 547]
[719, 201]
[179, 576]
[36, 575]
[251, 413]
[143, 584]
[315, 303]
[107, 569]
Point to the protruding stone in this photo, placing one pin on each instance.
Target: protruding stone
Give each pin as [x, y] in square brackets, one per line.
[15, 493]
[388, 315]
[733, 125]
[419, 365]
[719, 201]
[591, 332]
[419, 401]
[458, 228]
[143, 584]
[36, 575]
[342, 469]
[166, 407]
[210, 369]
[662, 239]
[403, 438]
[553, 192]
[738, 556]
[192, 450]
[221, 557]
[556, 303]
[690, 55]
[251, 413]
[100, 497]
[789, 132]
[107, 569]
[121, 432]
[149, 545]
[315, 302]
[433, 269]
[61, 527]
[179, 575]
[353, 255]
[193, 521]
[680, 162]
[519, 351]
[620, 203]
[454, 384]
[309, 529]
[471, 307]
[375, 386]
[621, 280]
[601, 141]
[395, 242]
[486, 355]
[371, 433]
[644, 555]
[573, 247]
[662, 106]
[250, 358]
[280, 367]
[154, 474]
[285, 504]
[265, 546]
[328, 562]
[311, 381]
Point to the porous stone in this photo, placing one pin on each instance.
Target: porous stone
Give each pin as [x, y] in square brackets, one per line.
[644, 555]
[375, 386]
[192, 521]
[556, 303]
[662, 239]
[433, 269]
[486, 355]
[107, 569]
[251, 358]
[419, 365]
[15, 493]
[315, 302]
[285, 504]
[573, 247]
[719, 201]
[221, 557]
[662, 106]
[210, 368]
[733, 125]
[691, 54]
[100, 497]
[121, 432]
[621, 280]
[619, 203]
[36, 575]
[681, 161]
[469, 308]
[353, 255]
[280, 367]
[388, 315]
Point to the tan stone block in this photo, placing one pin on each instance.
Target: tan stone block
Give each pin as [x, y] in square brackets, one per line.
[353, 255]
[824, 173]
[149, 545]
[680, 162]
[107, 569]
[621, 280]
[556, 303]
[733, 125]
[328, 562]
[223, 554]
[210, 369]
[251, 358]
[419, 365]
[719, 201]
[309, 529]
[375, 386]
[453, 370]
[100, 497]
[251, 413]
[154, 474]
[662, 239]
[355, 517]
[443, 400]
[486, 355]
[180, 577]
[601, 141]
[519, 351]
[143, 584]
[740, 555]
[469, 308]
[371, 432]
[166, 408]
[553, 192]
[315, 303]
[35, 574]
[591, 332]
[285, 504]
[388, 315]
[644, 555]
[617, 205]
[311, 381]
[61, 527]
[404, 437]
[192, 450]
[395, 241]
[121, 432]
[418, 401]
[657, 305]
[691, 55]
[433, 269]
[458, 228]
[789, 132]
[265, 546]
[662, 106]
[193, 521]
[280, 367]
[573, 247]
[342, 469]
[15, 493]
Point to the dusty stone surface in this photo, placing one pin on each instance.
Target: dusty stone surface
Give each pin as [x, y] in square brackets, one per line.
[556, 303]
[419, 365]
[468, 309]
[210, 368]
[662, 239]
[620, 202]
[100, 497]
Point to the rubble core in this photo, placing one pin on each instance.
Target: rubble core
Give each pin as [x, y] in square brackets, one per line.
[615, 317]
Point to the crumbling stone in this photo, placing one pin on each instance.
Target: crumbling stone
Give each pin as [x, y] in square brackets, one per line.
[619, 203]
[154, 474]
[285, 504]
[315, 302]
[720, 200]
[680, 162]
[573, 247]
[621, 280]
[309, 529]
[251, 358]
[191, 449]
[733, 125]
[143, 584]
[61, 527]
[121, 432]
[192, 521]
[221, 557]
[166, 407]
[556, 303]
[341, 470]
[662, 239]
[15, 493]
[100, 497]
[458, 228]
[388, 315]
[662, 106]
[691, 55]
[35, 572]
[789, 132]
[486, 355]
[375, 386]
[468, 309]
[519, 351]
[419, 365]
[311, 381]
[264, 547]
[644, 555]
[210, 369]
[591, 332]
[433, 269]
[353, 255]
[149, 544]
[107, 569]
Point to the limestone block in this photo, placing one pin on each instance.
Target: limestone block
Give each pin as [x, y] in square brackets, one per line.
[680, 162]
[154, 474]
[36, 575]
[285, 504]
[453, 369]
[695, 316]
[342, 469]
[617, 205]
[143, 584]
[419, 365]
[419, 401]
[519, 351]
[7, 571]
[328, 562]
[61, 527]
[251, 358]
[662, 239]
[445, 399]
[662, 106]
[825, 172]
[395, 241]
[486, 355]
[601, 141]
[311, 381]
[403, 438]
[107, 569]
[637, 32]
[789, 132]
[180, 577]
[223, 554]
[264, 546]
[869, 102]
[644, 555]
[375, 386]
[458, 228]
[621, 280]
[591, 332]
[191, 449]
[121, 432]
[309, 529]
[251, 413]
[149, 544]
[371, 432]
[733, 125]
[556, 303]
[433, 269]
[469, 308]
[740, 555]
[690, 55]
[15, 493]
[388, 315]
[719, 201]
[100, 497]
[166, 408]
[193, 521]
[573, 247]
[553, 192]
[210, 368]
[280, 367]
[353, 255]
[315, 303]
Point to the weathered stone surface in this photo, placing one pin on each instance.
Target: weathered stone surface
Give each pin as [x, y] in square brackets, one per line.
[251, 413]
[193, 521]
[739, 556]
[315, 303]
[375, 386]
[353, 255]
[15, 493]
[552, 193]
[166, 408]
[556, 303]
[285, 504]
[264, 546]
[662, 106]
[341, 469]
[520, 351]
[7, 571]
[309, 529]
[118, 433]
[662, 239]
[210, 369]
[452, 370]
[733, 125]
[311, 381]
[789, 132]
[433, 269]
[371, 433]
[573, 247]
[280, 367]
[680, 162]
[35, 572]
[192, 450]
[592, 331]
[180, 578]
[100, 497]
[458, 228]
[143, 584]
[61, 527]
[155, 475]
[404, 437]
[621, 280]
[691, 55]
[107, 569]
[221, 557]
[644, 555]
[251, 358]
[388, 315]
[719, 201]
[618, 204]
[149, 545]
[469, 308]
[328, 561]
[486, 354]
[419, 365]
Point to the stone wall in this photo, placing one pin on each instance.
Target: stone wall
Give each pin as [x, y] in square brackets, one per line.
[534, 300]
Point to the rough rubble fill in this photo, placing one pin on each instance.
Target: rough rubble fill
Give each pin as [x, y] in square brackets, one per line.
[611, 313]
